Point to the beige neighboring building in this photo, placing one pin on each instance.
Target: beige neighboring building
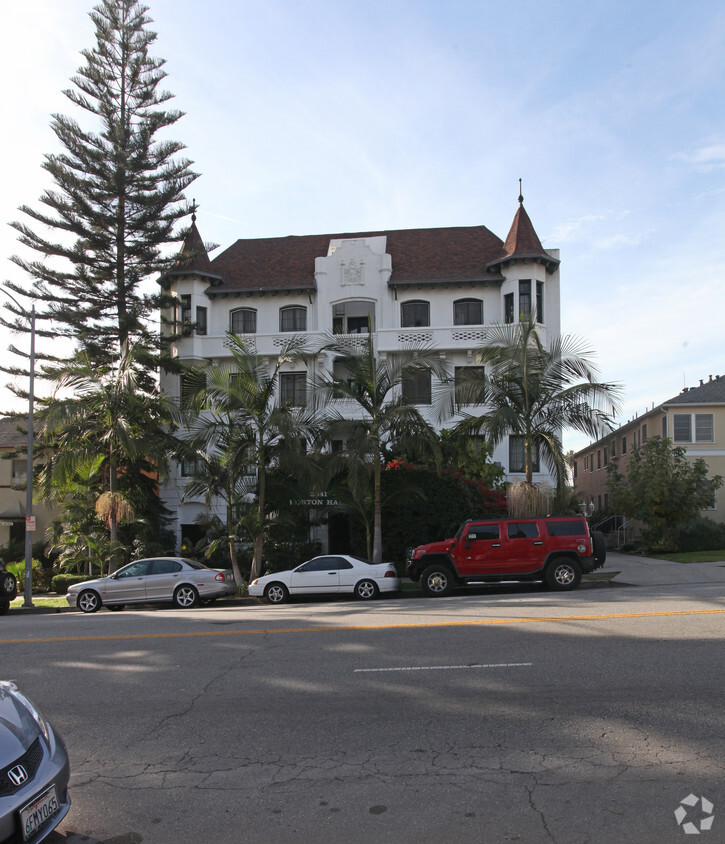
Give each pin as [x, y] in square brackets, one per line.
[12, 487]
[695, 420]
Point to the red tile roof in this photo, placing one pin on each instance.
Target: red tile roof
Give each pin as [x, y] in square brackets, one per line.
[418, 255]
[522, 242]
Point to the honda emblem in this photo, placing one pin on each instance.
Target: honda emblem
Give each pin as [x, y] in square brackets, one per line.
[17, 775]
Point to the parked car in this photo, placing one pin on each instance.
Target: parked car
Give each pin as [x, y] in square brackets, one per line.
[157, 580]
[8, 588]
[555, 550]
[331, 574]
[34, 770]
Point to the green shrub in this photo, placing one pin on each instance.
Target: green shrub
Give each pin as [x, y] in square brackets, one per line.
[700, 534]
[60, 583]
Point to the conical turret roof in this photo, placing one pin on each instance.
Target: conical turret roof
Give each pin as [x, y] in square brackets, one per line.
[523, 244]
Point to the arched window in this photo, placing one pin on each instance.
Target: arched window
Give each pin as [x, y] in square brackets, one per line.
[414, 314]
[243, 321]
[293, 318]
[468, 312]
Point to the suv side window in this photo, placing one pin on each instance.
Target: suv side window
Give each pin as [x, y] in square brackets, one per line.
[475, 533]
[522, 530]
[573, 527]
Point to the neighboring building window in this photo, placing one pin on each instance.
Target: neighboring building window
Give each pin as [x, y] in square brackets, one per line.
[508, 308]
[468, 385]
[414, 314]
[644, 433]
[517, 455]
[624, 445]
[293, 388]
[664, 427]
[468, 312]
[244, 321]
[525, 298]
[201, 320]
[540, 302]
[293, 319]
[576, 474]
[704, 428]
[606, 456]
[417, 389]
[599, 458]
[20, 471]
[614, 447]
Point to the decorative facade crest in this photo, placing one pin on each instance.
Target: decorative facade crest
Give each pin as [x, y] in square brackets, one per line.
[353, 273]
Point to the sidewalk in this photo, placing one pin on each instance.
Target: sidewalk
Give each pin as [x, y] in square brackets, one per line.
[632, 570]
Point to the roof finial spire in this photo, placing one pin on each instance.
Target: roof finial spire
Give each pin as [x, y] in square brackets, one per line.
[194, 206]
[521, 192]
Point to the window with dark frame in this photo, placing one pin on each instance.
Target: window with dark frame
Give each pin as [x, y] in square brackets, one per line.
[243, 321]
[293, 388]
[524, 298]
[414, 314]
[293, 318]
[540, 302]
[517, 455]
[417, 388]
[201, 316]
[468, 385]
[468, 312]
[508, 308]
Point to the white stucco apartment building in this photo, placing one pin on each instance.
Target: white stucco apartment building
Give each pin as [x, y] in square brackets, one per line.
[440, 286]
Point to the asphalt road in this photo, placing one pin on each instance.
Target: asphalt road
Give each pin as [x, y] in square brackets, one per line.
[512, 716]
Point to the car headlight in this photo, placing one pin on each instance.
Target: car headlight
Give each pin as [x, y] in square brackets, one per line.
[37, 717]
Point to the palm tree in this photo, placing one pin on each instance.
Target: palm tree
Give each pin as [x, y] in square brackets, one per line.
[113, 412]
[243, 396]
[533, 392]
[377, 386]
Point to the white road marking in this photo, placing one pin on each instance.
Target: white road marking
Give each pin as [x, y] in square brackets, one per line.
[444, 667]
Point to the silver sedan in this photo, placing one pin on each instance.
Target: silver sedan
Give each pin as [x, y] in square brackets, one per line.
[34, 770]
[331, 574]
[157, 580]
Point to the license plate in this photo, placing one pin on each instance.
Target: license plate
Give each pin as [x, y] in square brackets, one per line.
[35, 814]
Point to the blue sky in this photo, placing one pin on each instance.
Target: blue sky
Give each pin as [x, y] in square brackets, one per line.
[308, 117]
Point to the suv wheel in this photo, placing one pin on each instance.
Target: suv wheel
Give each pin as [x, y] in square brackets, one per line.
[563, 574]
[436, 581]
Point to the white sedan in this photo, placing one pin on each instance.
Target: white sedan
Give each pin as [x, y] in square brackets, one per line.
[331, 574]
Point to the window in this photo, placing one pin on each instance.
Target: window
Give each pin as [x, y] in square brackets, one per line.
[599, 458]
[517, 455]
[186, 315]
[293, 388]
[293, 318]
[523, 530]
[414, 314]
[702, 424]
[525, 298]
[664, 427]
[244, 321]
[624, 445]
[540, 302]
[20, 471]
[644, 433]
[574, 470]
[187, 468]
[165, 567]
[508, 308]
[573, 527]
[476, 533]
[417, 389]
[704, 428]
[201, 320]
[192, 382]
[358, 325]
[468, 312]
[606, 455]
[469, 385]
[614, 447]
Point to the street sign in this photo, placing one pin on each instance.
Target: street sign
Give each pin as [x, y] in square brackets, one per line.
[30, 523]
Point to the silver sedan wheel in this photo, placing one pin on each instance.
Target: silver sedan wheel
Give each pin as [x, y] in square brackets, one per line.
[89, 601]
[186, 597]
[366, 590]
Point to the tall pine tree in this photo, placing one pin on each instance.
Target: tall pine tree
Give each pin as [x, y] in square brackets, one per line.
[118, 194]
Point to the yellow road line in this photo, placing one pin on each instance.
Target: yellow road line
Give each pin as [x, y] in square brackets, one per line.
[330, 629]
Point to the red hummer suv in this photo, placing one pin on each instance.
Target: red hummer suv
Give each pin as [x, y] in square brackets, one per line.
[553, 549]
